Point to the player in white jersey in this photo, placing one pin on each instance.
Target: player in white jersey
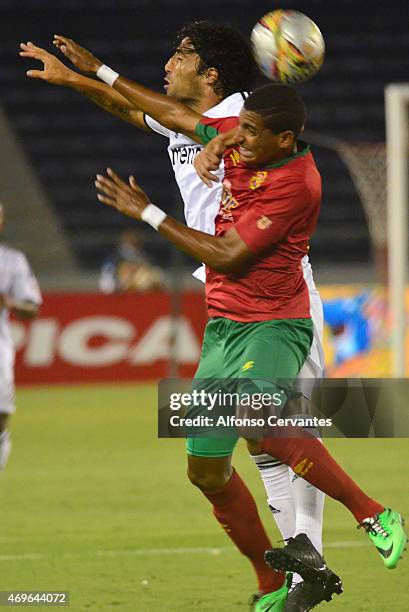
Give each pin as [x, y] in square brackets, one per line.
[20, 294]
[205, 74]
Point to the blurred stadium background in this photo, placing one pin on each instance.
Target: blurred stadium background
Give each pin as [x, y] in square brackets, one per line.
[53, 143]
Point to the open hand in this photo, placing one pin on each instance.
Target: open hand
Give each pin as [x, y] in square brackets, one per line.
[80, 57]
[128, 198]
[53, 71]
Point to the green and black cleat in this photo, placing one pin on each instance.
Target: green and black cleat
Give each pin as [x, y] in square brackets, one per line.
[300, 557]
[304, 596]
[269, 602]
[386, 532]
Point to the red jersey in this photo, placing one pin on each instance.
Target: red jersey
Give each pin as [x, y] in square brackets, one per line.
[274, 210]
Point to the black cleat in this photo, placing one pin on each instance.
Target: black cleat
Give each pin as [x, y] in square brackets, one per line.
[305, 595]
[300, 557]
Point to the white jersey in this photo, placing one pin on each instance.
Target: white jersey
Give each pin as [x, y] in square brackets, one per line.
[18, 282]
[201, 205]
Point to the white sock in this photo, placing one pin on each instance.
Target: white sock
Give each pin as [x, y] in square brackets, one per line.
[5, 448]
[279, 496]
[296, 505]
[275, 477]
[309, 509]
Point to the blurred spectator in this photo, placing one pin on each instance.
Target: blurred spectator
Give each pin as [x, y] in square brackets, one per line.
[128, 268]
[20, 295]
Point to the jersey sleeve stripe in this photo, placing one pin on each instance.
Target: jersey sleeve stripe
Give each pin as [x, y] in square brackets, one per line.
[206, 133]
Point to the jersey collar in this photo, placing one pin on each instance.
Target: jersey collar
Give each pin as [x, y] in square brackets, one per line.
[305, 149]
[224, 109]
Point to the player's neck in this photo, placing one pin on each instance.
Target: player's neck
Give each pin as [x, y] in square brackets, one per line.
[290, 152]
[203, 104]
[286, 154]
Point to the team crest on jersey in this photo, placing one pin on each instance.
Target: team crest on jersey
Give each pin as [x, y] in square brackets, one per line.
[257, 180]
[303, 467]
[263, 223]
[228, 201]
[235, 157]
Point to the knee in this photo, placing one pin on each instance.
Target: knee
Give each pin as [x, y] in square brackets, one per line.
[208, 480]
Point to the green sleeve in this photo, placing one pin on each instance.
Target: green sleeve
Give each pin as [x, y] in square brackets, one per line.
[205, 132]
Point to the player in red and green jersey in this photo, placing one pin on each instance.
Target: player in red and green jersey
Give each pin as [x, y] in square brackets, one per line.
[255, 255]
[278, 205]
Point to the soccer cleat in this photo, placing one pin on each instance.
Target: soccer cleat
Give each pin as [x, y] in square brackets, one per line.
[386, 531]
[304, 596]
[300, 557]
[269, 602]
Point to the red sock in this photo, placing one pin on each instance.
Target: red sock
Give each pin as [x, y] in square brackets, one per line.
[235, 509]
[309, 458]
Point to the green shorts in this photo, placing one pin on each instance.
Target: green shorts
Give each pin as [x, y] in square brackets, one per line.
[273, 349]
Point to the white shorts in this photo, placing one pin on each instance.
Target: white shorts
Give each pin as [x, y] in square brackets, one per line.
[313, 368]
[7, 382]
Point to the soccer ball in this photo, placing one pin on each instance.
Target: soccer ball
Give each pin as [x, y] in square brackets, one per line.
[288, 46]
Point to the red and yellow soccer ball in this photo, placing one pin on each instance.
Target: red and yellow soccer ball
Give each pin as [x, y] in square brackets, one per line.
[288, 46]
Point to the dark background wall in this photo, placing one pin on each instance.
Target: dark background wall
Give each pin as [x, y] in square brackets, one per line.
[69, 140]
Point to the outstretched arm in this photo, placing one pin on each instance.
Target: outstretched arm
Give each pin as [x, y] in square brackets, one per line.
[56, 73]
[126, 99]
[227, 253]
[168, 112]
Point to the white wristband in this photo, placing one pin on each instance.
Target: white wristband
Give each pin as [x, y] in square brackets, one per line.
[106, 74]
[153, 215]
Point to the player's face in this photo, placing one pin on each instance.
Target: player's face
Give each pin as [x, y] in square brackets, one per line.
[181, 79]
[258, 146]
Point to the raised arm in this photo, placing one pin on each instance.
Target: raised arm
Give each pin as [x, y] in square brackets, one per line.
[56, 73]
[126, 99]
[167, 111]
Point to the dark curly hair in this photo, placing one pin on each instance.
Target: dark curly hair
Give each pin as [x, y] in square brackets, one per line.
[222, 47]
[281, 107]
